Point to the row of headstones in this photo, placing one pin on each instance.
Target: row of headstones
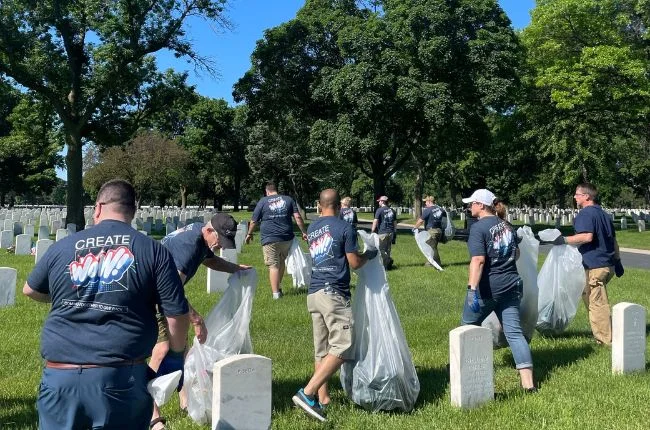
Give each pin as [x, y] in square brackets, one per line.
[471, 355]
[23, 242]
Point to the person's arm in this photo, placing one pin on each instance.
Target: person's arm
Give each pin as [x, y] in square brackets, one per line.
[418, 223]
[357, 260]
[301, 225]
[178, 327]
[251, 229]
[221, 265]
[578, 239]
[35, 295]
[475, 271]
[373, 229]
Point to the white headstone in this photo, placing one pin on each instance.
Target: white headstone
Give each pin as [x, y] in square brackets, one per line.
[43, 232]
[8, 224]
[471, 366]
[56, 224]
[61, 233]
[42, 247]
[29, 230]
[23, 244]
[628, 338]
[241, 393]
[8, 276]
[169, 228]
[6, 239]
[72, 228]
[240, 236]
[18, 228]
[218, 281]
[146, 226]
[623, 223]
[641, 224]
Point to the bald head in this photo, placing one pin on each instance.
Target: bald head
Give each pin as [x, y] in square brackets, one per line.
[329, 201]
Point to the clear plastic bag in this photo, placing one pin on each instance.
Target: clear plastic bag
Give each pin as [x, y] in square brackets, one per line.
[382, 375]
[421, 237]
[228, 334]
[561, 282]
[163, 387]
[450, 230]
[298, 265]
[527, 269]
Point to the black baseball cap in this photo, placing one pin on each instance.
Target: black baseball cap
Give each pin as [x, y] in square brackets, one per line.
[226, 227]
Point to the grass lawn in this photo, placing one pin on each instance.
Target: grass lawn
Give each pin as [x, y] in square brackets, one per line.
[577, 389]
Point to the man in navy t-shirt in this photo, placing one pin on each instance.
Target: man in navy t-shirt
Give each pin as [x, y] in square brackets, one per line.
[493, 282]
[275, 213]
[348, 214]
[432, 218]
[190, 247]
[384, 225]
[104, 284]
[596, 238]
[333, 249]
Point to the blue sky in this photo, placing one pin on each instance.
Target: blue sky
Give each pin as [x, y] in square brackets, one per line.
[230, 50]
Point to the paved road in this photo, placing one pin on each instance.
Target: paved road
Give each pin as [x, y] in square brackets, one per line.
[636, 258]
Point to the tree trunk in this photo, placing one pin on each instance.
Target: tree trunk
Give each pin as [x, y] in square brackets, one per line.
[75, 191]
[183, 196]
[378, 187]
[418, 188]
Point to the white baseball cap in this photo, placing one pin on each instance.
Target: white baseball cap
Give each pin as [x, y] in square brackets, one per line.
[482, 196]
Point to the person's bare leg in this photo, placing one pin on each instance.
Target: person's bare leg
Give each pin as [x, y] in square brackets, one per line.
[157, 356]
[327, 367]
[526, 376]
[323, 393]
[274, 278]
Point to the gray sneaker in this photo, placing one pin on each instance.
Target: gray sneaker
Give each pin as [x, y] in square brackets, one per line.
[309, 404]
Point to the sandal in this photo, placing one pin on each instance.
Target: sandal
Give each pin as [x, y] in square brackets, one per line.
[159, 420]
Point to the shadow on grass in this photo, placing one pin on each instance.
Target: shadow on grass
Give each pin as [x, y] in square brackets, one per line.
[433, 384]
[433, 269]
[567, 334]
[548, 360]
[18, 412]
[283, 391]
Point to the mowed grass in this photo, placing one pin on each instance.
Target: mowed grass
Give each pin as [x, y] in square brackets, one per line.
[577, 389]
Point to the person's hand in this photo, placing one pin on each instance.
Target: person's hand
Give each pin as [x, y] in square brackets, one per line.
[249, 238]
[173, 361]
[560, 240]
[200, 330]
[304, 236]
[619, 270]
[370, 253]
[244, 267]
[472, 300]
[415, 230]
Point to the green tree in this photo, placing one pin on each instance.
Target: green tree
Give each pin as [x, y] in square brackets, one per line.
[88, 58]
[588, 93]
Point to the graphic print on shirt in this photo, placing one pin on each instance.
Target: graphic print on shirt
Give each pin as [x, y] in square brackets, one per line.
[278, 207]
[348, 216]
[175, 233]
[100, 267]
[503, 242]
[320, 245]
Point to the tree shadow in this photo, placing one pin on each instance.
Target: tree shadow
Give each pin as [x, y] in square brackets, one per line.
[22, 413]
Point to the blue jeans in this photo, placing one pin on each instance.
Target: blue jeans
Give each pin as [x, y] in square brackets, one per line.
[98, 398]
[506, 307]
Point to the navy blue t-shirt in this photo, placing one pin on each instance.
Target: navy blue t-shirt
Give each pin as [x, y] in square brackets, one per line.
[105, 283]
[496, 240]
[386, 217]
[188, 248]
[432, 217]
[330, 238]
[348, 215]
[600, 251]
[275, 213]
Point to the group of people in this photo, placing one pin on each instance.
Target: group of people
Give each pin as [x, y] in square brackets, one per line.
[117, 296]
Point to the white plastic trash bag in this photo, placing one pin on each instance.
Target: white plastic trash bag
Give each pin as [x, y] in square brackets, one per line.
[298, 265]
[561, 282]
[228, 334]
[382, 375]
[527, 269]
[450, 230]
[421, 237]
[162, 387]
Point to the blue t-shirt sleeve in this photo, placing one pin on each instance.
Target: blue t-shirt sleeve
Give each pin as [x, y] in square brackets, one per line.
[293, 206]
[476, 242]
[378, 213]
[584, 223]
[355, 221]
[350, 236]
[38, 279]
[257, 213]
[169, 290]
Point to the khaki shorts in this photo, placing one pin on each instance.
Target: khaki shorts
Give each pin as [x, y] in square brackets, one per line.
[163, 328]
[275, 253]
[331, 317]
